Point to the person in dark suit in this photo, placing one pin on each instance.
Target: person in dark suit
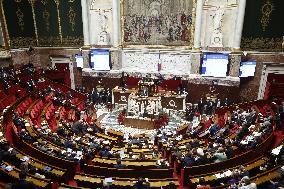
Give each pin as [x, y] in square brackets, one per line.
[24, 135]
[77, 114]
[202, 184]
[22, 183]
[31, 85]
[172, 185]
[18, 121]
[226, 102]
[77, 126]
[106, 152]
[141, 184]
[200, 105]
[119, 165]
[60, 130]
[188, 160]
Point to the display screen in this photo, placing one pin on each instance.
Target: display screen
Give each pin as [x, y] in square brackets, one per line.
[247, 69]
[79, 60]
[215, 65]
[100, 59]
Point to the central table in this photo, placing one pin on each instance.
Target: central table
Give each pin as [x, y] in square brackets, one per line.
[144, 123]
[168, 101]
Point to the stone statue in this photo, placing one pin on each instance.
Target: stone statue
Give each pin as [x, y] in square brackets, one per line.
[103, 21]
[218, 18]
[217, 36]
[103, 37]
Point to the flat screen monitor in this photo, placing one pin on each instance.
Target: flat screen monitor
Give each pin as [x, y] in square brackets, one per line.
[79, 60]
[214, 65]
[100, 59]
[247, 69]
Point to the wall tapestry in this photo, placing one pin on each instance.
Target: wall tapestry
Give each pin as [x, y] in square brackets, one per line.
[42, 23]
[263, 28]
[18, 23]
[157, 22]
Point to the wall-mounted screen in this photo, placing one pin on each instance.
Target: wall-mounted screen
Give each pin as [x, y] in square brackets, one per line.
[79, 60]
[247, 69]
[215, 65]
[100, 59]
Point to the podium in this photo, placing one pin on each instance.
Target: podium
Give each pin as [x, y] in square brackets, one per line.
[146, 88]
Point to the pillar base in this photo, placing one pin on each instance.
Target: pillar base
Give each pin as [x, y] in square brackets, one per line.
[86, 47]
[196, 49]
[236, 49]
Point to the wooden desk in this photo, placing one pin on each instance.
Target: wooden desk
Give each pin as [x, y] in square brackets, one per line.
[112, 162]
[39, 182]
[93, 182]
[56, 172]
[248, 167]
[173, 102]
[120, 96]
[139, 123]
[65, 186]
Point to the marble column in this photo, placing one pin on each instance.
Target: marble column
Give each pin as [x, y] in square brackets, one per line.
[1, 36]
[195, 62]
[85, 19]
[86, 56]
[116, 22]
[198, 22]
[235, 59]
[116, 57]
[239, 25]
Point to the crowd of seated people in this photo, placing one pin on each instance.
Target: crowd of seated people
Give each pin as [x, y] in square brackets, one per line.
[106, 151]
[10, 77]
[215, 140]
[248, 127]
[8, 154]
[241, 178]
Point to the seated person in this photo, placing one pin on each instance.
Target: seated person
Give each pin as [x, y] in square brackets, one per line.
[119, 165]
[141, 184]
[202, 184]
[18, 121]
[188, 160]
[22, 183]
[106, 152]
[172, 185]
[220, 155]
[246, 184]
[162, 164]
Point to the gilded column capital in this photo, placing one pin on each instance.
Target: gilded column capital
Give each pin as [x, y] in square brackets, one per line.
[57, 2]
[32, 2]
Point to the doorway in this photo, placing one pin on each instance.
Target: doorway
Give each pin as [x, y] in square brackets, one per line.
[64, 70]
[272, 81]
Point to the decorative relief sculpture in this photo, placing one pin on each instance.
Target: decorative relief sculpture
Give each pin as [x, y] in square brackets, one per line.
[217, 36]
[20, 16]
[72, 17]
[104, 36]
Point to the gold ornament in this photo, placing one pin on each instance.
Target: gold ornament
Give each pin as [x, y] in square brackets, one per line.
[266, 11]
